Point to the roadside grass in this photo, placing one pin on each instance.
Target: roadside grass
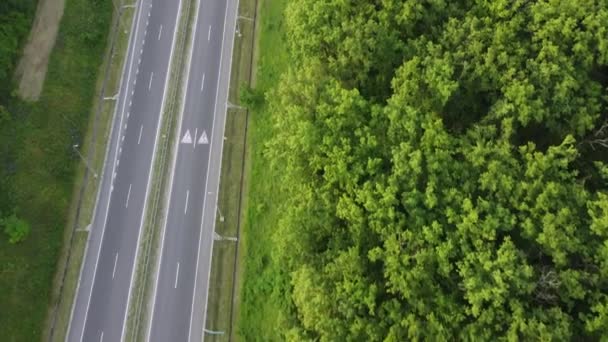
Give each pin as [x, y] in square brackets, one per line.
[44, 166]
[71, 280]
[262, 280]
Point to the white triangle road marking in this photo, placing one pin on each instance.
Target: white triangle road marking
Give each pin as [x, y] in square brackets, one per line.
[187, 139]
[203, 139]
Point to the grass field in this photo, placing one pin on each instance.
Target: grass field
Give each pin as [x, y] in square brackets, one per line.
[41, 178]
[261, 297]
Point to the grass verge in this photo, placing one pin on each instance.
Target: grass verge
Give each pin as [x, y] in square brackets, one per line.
[78, 247]
[83, 202]
[240, 301]
[44, 171]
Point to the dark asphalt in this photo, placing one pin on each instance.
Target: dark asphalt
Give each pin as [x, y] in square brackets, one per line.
[100, 309]
[180, 293]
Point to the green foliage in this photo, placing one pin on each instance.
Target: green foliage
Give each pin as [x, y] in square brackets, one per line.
[37, 164]
[436, 183]
[15, 19]
[251, 98]
[16, 229]
[265, 309]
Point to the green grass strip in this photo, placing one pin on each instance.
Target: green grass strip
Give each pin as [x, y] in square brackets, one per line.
[258, 313]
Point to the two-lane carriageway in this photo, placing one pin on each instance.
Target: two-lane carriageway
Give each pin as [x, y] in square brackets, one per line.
[104, 291]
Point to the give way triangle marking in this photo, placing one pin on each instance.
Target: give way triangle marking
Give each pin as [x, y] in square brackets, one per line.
[187, 139]
[203, 139]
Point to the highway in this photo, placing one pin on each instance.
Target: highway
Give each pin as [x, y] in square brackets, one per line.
[181, 289]
[99, 312]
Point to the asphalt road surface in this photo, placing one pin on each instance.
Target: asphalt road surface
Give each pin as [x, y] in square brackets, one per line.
[100, 309]
[181, 289]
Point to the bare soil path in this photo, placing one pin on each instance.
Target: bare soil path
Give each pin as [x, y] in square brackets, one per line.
[31, 69]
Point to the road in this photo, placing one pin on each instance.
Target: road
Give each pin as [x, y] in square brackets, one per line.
[100, 310]
[181, 289]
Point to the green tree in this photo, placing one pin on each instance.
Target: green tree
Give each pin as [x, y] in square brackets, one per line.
[439, 187]
[250, 97]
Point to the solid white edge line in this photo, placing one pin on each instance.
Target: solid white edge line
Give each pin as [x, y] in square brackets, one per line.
[137, 20]
[160, 120]
[206, 185]
[175, 151]
[176, 276]
[115, 262]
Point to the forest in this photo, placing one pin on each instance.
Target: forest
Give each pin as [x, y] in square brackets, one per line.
[15, 20]
[445, 165]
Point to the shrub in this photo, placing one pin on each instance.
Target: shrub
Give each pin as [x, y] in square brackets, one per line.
[16, 228]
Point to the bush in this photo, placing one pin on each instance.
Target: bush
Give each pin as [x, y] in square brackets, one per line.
[250, 97]
[16, 229]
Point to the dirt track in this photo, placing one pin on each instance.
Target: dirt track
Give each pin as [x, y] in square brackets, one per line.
[31, 69]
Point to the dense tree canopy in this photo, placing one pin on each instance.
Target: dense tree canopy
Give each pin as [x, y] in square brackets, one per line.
[446, 167]
[15, 20]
